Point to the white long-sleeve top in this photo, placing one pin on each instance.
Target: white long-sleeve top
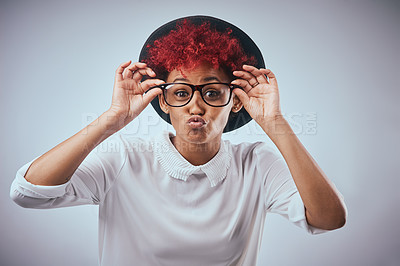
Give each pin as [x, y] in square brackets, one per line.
[155, 208]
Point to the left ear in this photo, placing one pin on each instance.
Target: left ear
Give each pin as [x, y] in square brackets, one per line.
[237, 104]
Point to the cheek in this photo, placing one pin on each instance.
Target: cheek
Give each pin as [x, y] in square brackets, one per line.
[173, 116]
[177, 118]
[222, 117]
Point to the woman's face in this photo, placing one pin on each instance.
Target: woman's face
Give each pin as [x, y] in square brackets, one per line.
[215, 118]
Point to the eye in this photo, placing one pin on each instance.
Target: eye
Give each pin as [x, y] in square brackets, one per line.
[212, 93]
[181, 93]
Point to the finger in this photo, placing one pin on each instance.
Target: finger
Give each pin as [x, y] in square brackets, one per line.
[150, 95]
[151, 82]
[247, 76]
[243, 97]
[138, 74]
[261, 78]
[128, 72]
[120, 69]
[243, 83]
[270, 75]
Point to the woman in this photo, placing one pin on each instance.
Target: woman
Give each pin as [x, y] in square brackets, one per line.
[191, 198]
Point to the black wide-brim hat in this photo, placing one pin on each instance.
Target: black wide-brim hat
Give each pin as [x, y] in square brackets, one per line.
[236, 120]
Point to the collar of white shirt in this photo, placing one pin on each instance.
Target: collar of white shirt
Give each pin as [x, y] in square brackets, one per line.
[178, 167]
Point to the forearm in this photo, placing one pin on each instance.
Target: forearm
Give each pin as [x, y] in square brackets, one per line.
[56, 166]
[324, 207]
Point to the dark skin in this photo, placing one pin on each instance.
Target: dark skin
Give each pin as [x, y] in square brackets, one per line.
[324, 207]
[199, 145]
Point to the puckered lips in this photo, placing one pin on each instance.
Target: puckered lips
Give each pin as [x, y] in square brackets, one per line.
[196, 122]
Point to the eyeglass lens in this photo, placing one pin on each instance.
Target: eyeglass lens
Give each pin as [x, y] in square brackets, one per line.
[180, 94]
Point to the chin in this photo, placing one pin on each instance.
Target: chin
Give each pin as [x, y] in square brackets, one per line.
[196, 135]
[201, 136]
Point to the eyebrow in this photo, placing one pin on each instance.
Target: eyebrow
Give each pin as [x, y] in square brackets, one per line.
[206, 79]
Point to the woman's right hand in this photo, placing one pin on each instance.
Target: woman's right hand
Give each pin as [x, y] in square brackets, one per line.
[128, 99]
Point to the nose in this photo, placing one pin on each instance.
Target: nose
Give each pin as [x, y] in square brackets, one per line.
[196, 104]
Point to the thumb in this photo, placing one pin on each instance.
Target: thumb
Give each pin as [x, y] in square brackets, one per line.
[243, 97]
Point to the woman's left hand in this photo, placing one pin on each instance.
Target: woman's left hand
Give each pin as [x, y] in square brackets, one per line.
[260, 95]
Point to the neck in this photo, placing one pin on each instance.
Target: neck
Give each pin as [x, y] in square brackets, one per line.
[196, 154]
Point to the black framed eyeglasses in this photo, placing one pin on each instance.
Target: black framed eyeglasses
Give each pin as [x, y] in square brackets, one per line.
[215, 94]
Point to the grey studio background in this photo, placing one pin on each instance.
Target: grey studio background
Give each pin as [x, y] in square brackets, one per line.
[337, 66]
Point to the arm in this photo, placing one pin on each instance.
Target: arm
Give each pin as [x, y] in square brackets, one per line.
[56, 166]
[72, 173]
[88, 184]
[325, 208]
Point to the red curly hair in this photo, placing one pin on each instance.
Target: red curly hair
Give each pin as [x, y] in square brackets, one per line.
[190, 45]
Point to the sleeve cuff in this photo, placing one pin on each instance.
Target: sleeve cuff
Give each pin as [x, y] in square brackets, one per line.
[36, 191]
[297, 215]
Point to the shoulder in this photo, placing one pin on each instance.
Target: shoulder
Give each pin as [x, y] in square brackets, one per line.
[134, 143]
[121, 146]
[253, 162]
[254, 153]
